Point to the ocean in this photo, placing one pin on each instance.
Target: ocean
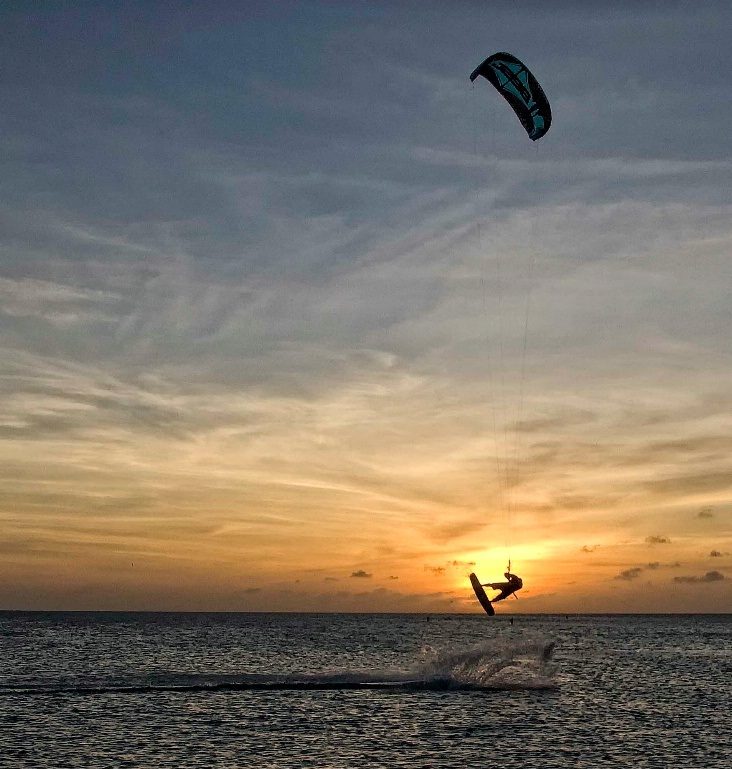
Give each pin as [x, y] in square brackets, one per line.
[329, 691]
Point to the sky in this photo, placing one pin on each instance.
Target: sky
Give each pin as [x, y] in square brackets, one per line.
[295, 318]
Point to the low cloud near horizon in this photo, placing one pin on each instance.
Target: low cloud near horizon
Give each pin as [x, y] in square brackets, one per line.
[710, 576]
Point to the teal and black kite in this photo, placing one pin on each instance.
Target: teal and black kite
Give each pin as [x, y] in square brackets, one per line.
[520, 89]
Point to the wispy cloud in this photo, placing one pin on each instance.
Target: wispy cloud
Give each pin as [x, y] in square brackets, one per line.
[249, 317]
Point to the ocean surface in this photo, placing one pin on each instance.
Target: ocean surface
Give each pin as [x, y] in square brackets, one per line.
[331, 691]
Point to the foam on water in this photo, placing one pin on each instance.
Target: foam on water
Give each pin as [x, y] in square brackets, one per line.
[497, 665]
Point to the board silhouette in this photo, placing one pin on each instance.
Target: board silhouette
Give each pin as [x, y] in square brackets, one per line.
[480, 594]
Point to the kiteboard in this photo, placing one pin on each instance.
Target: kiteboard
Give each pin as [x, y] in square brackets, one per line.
[480, 594]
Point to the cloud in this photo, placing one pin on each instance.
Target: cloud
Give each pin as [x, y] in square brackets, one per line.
[460, 564]
[361, 574]
[58, 304]
[636, 571]
[392, 576]
[438, 570]
[588, 548]
[710, 576]
[655, 539]
[330, 579]
[705, 512]
[703, 482]
[630, 574]
[236, 321]
[252, 590]
[717, 554]
[445, 532]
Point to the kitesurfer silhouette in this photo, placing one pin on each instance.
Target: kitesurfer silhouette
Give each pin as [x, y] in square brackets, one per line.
[507, 588]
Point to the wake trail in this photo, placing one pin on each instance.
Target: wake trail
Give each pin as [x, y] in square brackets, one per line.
[495, 666]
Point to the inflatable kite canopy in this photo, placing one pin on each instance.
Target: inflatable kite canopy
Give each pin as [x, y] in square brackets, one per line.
[520, 89]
